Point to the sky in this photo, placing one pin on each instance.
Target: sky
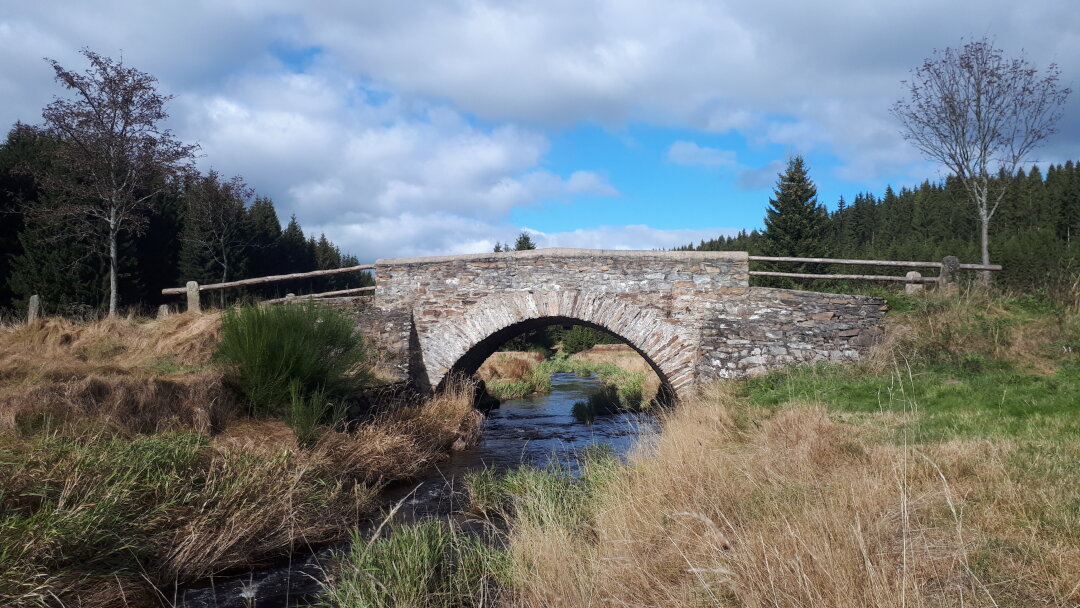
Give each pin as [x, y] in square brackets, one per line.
[426, 128]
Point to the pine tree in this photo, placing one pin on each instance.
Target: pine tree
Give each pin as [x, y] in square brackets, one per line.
[840, 226]
[17, 188]
[524, 242]
[55, 263]
[215, 229]
[1068, 193]
[327, 257]
[264, 254]
[795, 224]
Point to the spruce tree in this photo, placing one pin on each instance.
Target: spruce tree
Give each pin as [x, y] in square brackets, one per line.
[215, 229]
[264, 255]
[524, 242]
[17, 189]
[57, 264]
[795, 224]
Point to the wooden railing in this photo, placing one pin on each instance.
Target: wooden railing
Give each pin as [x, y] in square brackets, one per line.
[948, 269]
[192, 289]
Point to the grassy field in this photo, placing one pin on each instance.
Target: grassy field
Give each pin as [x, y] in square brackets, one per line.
[944, 471]
[130, 463]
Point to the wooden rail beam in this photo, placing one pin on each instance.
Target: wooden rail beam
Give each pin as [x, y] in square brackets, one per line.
[844, 277]
[892, 263]
[325, 294]
[175, 291]
[900, 264]
[980, 266]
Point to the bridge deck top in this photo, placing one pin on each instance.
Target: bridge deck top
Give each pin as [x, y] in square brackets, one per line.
[675, 256]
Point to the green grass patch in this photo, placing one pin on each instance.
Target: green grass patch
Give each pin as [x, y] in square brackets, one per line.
[309, 414]
[432, 564]
[979, 398]
[550, 495]
[629, 387]
[169, 365]
[267, 349]
[510, 389]
[76, 509]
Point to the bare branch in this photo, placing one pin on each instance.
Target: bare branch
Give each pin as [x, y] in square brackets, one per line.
[111, 158]
[980, 114]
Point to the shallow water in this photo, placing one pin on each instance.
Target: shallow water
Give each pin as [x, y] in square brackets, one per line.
[536, 431]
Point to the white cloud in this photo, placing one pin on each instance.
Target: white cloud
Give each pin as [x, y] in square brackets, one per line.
[380, 179]
[627, 237]
[689, 153]
[410, 234]
[428, 119]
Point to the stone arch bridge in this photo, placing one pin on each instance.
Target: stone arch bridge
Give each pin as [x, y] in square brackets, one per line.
[692, 315]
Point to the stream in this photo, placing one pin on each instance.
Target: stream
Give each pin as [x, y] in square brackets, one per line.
[535, 431]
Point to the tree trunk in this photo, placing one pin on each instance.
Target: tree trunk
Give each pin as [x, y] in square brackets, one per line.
[984, 234]
[112, 264]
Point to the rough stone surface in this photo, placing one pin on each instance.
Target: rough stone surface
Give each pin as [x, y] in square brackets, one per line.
[691, 314]
[193, 296]
[33, 309]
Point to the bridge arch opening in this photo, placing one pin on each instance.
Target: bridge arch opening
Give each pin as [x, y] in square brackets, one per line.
[469, 363]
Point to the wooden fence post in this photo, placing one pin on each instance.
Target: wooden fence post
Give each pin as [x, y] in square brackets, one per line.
[950, 271]
[33, 309]
[913, 287]
[193, 297]
[163, 311]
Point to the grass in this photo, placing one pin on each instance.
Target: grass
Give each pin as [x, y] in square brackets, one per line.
[511, 375]
[125, 468]
[428, 564]
[958, 401]
[269, 350]
[941, 472]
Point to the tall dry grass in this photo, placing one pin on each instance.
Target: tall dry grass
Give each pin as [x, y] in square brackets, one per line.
[126, 471]
[737, 507]
[129, 375]
[945, 328]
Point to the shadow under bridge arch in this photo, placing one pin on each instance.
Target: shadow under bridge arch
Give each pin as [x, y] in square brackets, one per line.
[462, 344]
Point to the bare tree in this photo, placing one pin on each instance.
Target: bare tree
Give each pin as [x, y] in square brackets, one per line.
[216, 224]
[111, 159]
[980, 114]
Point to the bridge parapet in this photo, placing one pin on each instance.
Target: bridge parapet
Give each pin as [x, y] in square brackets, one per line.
[692, 315]
[675, 273]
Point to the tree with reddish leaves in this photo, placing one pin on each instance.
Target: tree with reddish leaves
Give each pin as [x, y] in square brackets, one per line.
[980, 114]
[112, 158]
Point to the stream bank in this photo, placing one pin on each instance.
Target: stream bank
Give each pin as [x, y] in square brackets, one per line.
[531, 431]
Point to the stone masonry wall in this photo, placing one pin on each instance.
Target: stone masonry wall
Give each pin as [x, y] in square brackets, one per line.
[770, 328]
[387, 332]
[692, 314]
[651, 298]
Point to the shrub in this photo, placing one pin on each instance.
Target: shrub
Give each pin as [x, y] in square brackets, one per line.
[266, 349]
